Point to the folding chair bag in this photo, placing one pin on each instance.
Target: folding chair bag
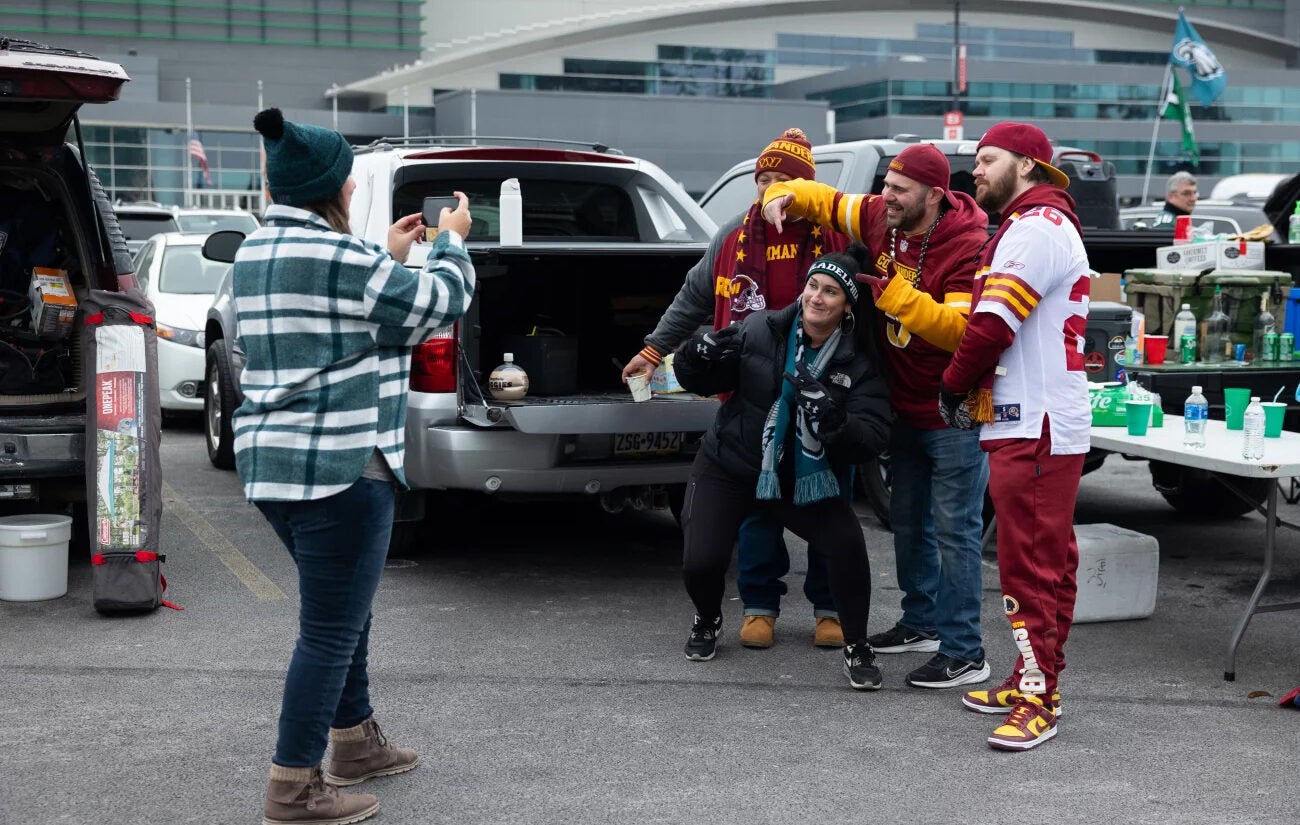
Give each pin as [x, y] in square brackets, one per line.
[124, 475]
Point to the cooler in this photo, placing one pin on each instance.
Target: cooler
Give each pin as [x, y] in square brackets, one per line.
[1159, 293]
[550, 360]
[1291, 322]
[1108, 324]
[1118, 571]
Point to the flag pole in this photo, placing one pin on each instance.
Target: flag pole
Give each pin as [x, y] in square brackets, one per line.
[189, 130]
[1155, 127]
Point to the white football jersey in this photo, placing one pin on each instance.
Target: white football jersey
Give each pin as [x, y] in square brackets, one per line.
[1038, 283]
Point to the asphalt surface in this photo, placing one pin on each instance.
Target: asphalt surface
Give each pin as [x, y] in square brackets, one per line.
[537, 667]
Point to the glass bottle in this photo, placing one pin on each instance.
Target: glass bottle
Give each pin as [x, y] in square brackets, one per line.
[1216, 341]
[1264, 324]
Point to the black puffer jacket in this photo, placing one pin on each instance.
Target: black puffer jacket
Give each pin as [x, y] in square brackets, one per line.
[736, 439]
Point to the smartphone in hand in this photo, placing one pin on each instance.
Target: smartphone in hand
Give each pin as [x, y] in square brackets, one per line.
[431, 212]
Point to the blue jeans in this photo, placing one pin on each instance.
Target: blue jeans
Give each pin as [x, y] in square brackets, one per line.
[340, 544]
[935, 506]
[762, 560]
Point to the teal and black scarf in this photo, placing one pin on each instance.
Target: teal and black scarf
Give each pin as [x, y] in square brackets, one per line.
[814, 479]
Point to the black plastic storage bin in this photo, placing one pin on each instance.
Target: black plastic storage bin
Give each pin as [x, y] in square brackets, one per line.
[551, 362]
[1108, 326]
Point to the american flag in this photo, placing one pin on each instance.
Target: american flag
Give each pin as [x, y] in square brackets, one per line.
[196, 152]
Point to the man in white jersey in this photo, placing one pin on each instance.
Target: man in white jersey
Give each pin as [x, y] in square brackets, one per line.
[1019, 372]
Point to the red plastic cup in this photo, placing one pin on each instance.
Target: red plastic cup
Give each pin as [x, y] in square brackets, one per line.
[1156, 346]
[1183, 229]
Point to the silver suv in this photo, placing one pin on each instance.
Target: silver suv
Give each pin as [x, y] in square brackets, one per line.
[607, 240]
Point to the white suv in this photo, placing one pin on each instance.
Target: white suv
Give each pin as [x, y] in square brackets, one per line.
[607, 240]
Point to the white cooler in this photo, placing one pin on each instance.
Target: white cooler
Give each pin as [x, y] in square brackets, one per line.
[1118, 571]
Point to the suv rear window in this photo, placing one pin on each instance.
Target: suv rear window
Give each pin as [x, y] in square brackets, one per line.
[551, 208]
[142, 227]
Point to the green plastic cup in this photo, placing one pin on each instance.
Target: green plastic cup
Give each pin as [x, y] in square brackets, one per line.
[1139, 416]
[1274, 414]
[1235, 400]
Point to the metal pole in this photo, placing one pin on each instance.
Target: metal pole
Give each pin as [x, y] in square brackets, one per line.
[259, 96]
[406, 111]
[956, 52]
[335, 97]
[185, 142]
[1155, 127]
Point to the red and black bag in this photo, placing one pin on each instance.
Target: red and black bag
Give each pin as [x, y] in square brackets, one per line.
[124, 472]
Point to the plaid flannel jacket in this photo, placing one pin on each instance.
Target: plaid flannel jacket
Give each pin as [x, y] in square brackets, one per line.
[327, 321]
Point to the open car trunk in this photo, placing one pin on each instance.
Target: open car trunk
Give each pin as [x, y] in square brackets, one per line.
[572, 317]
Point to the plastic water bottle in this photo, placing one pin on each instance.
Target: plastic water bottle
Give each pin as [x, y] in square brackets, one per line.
[1196, 411]
[1184, 324]
[1253, 426]
[509, 382]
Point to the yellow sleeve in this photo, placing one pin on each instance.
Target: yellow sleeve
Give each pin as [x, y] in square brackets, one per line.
[940, 324]
[822, 204]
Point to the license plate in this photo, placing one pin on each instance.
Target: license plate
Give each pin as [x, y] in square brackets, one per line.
[647, 443]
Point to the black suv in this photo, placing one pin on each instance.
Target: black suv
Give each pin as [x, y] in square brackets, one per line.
[56, 220]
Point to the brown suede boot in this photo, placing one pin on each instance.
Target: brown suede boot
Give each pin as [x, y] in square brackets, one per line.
[300, 796]
[363, 752]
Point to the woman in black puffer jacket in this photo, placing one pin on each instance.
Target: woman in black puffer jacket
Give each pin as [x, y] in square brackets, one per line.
[808, 400]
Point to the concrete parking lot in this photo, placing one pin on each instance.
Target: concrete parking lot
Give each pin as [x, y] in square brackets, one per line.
[537, 666]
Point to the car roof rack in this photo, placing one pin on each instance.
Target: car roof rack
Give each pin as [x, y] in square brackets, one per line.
[414, 141]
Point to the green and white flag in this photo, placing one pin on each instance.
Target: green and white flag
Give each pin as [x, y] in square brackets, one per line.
[1174, 105]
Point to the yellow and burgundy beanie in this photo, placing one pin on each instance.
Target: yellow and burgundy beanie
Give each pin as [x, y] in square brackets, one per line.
[791, 154]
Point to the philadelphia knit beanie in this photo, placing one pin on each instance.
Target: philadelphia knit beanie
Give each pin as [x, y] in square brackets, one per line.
[304, 164]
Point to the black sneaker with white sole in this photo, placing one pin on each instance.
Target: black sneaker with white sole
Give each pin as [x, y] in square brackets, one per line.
[860, 667]
[944, 671]
[703, 641]
[900, 639]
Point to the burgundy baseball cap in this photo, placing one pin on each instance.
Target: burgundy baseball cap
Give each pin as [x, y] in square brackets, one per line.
[1030, 141]
[925, 164]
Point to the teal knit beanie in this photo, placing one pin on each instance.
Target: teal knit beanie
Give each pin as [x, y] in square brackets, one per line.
[304, 164]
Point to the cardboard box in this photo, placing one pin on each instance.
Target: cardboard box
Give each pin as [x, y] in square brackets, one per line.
[54, 307]
[1105, 287]
[1211, 254]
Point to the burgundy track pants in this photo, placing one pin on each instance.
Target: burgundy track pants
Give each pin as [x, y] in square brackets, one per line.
[1033, 493]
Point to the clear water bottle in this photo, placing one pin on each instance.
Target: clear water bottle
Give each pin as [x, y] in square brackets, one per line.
[1253, 429]
[1184, 324]
[1196, 411]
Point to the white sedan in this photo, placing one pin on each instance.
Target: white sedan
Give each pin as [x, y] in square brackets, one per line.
[181, 283]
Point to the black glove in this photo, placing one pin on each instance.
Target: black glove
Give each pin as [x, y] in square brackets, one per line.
[954, 409]
[815, 401]
[720, 345]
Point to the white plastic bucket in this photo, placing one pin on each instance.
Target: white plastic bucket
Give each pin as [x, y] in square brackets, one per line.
[34, 557]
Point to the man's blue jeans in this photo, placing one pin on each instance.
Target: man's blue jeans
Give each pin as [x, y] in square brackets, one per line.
[762, 560]
[340, 544]
[935, 507]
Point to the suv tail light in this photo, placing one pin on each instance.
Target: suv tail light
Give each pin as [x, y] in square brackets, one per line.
[433, 363]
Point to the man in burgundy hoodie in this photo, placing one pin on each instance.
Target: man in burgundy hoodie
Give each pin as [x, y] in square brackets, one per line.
[1019, 373]
[924, 241]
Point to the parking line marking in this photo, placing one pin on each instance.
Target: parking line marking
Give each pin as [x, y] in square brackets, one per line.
[236, 562]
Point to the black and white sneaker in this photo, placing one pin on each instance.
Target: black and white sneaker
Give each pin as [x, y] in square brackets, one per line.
[899, 639]
[943, 671]
[860, 667]
[703, 641]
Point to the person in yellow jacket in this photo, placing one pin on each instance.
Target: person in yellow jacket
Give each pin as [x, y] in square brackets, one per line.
[924, 239]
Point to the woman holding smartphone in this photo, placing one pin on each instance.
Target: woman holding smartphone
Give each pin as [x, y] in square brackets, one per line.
[328, 320]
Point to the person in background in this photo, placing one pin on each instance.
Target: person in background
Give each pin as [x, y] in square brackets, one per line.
[750, 267]
[1019, 373]
[327, 321]
[805, 404]
[1180, 199]
[924, 240]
